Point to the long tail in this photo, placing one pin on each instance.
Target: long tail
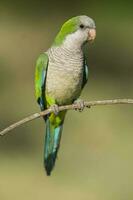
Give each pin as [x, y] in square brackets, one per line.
[52, 143]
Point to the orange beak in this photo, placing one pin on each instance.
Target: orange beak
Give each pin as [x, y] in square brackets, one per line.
[92, 34]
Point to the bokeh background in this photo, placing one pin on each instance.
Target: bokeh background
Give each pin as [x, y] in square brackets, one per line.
[95, 161]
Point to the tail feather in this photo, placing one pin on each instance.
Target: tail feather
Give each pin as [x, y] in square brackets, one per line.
[52, 142]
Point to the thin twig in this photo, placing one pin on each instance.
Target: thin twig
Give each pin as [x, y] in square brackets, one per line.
[61, 108]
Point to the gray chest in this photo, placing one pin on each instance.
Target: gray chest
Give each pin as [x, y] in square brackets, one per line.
[64, 76]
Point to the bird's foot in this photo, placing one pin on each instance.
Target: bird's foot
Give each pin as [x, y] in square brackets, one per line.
[80, 105]
[55, 109]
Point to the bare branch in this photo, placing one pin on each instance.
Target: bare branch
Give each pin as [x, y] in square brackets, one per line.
[61, 108]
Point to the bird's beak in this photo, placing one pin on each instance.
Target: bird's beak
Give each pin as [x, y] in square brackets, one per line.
[92, 35]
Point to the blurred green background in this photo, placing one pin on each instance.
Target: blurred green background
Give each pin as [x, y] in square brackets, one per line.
[95, 161]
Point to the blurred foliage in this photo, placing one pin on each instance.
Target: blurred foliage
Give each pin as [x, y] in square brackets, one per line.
[95, 159]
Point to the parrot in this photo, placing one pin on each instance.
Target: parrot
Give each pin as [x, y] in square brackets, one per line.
[60, 75]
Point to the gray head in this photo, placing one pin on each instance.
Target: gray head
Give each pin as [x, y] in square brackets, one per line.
[78, 29]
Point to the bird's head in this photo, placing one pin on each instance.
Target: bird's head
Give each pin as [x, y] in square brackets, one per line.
[77, 30]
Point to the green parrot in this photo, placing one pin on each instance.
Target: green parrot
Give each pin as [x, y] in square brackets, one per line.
[60, 75]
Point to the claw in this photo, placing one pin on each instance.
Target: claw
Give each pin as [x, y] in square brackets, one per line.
[55, 109]
[80, 105]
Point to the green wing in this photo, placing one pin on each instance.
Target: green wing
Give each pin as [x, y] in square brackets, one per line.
[85, 73]
[40, 78]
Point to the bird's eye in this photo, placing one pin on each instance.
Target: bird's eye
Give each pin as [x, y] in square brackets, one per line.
[81, 26]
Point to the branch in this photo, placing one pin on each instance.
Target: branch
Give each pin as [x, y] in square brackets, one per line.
[61, 108]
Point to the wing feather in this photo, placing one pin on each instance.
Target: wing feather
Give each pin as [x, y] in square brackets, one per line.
[40, 79]
[85, 73]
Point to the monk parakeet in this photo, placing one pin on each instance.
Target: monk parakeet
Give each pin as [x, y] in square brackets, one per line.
[60, 75]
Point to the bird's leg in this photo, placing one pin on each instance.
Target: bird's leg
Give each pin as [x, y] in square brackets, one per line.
[80, 105]
[55, 109]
